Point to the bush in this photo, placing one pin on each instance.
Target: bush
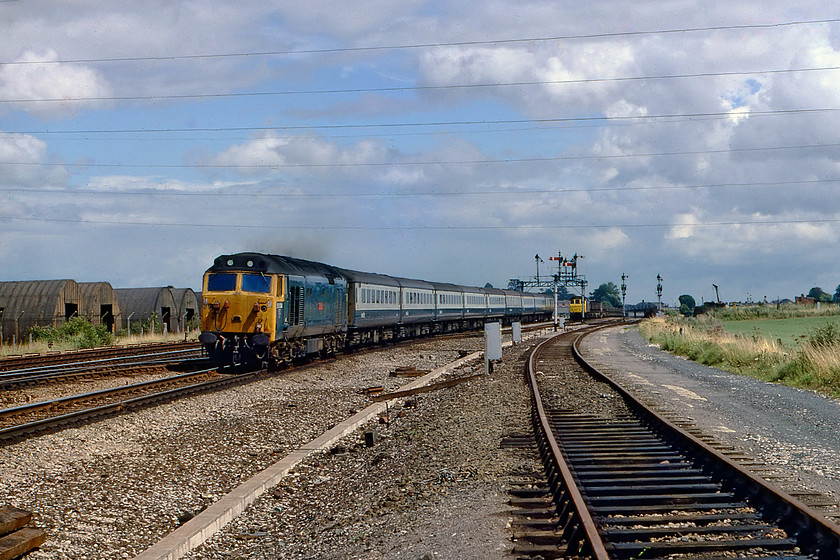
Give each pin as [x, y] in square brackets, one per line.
[77, 332]
[826, 335]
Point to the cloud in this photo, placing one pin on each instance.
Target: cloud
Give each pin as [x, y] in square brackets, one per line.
[24, 162]
[27, 80]
[271, 153]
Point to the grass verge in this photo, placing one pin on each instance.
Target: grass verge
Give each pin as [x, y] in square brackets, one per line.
[813, 364]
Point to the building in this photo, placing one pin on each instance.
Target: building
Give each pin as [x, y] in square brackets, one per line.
[139, 305]
[26, 304]
[99, 305]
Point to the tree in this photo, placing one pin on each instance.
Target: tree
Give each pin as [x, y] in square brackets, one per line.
[607, 293]
[563, 293]
[837, 295]
[687, 305]
[817, 294]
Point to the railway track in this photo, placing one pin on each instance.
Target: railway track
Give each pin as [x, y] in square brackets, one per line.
[33, 419]
[626, 483]
[25, 361]
[144, 362]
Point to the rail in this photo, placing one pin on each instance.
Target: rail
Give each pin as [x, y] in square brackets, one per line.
[622, 481]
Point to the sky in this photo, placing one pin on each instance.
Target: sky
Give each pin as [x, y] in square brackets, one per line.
[448, 141]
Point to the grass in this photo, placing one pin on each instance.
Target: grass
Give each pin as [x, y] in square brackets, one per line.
[43, 347]
[813, 363]
[791, 331]
[764, 311]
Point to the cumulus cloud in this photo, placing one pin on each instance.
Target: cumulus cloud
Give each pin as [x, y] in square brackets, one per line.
[24, 162]
[36, 76]
[272, 153]
[620, 140]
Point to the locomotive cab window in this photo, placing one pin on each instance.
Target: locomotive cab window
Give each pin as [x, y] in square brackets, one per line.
[256, 283]
[221, 282]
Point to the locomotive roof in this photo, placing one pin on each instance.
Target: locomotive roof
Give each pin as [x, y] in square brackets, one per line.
[273, 264]
[276, 264]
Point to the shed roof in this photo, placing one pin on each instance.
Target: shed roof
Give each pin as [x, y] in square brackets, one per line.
[36, 302]
[145, 300]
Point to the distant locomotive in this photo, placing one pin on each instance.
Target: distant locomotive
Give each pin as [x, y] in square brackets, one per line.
[578, 308]
[269, 309]
[581, 308]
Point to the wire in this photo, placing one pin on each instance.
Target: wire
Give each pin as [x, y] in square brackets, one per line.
[427, 227]
[514, 192]
[429, 45]
[420, 163]
[678, 116]
[413, 88]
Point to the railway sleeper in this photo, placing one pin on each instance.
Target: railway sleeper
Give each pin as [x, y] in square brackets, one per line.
[626, 535]
[665, 548]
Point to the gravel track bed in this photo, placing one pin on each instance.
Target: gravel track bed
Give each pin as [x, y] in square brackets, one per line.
[434, 485]
[113, 488]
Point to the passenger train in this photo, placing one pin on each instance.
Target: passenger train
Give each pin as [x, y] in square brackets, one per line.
[262, 309]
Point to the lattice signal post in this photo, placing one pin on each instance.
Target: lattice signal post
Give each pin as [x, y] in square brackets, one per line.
[566, 276]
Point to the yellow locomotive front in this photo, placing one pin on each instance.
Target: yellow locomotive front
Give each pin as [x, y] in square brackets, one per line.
[578, 308]
[239, 314]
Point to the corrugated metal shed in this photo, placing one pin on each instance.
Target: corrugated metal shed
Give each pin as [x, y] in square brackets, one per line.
[99, 304]
[138, 305]
[188, 306]
[39, 302]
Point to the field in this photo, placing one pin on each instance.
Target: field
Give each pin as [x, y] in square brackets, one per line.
[790, 331]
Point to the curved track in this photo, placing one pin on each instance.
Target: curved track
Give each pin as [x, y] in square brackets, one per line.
[627, 483]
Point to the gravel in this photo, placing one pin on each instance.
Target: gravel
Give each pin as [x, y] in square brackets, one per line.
[113, 488]
[433, 485]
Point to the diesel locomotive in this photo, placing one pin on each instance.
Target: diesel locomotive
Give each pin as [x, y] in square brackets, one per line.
[578, 308]
[260, 309]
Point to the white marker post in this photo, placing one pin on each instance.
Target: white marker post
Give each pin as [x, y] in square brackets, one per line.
[492, 344]
[516, 329]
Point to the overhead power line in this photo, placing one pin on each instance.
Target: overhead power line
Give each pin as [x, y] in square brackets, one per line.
[419, 163]
[426, 227]
[386, 125]
[337, 50]
[164, 190]
[413, 88]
